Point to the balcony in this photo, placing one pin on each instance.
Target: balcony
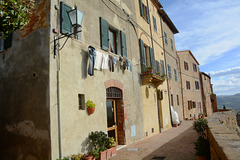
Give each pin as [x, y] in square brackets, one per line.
[152, 79]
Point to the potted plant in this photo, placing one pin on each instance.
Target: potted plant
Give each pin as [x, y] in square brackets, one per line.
[202, 144]
[87, 157]
[100, 144]
[90, 107]
[202, 148]
[149, 70]
[75, 157]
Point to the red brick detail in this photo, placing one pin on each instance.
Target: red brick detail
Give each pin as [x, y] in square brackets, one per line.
[113, 83]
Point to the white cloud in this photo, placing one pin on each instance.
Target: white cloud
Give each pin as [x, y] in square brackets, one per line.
[208, 28]
[226, 82]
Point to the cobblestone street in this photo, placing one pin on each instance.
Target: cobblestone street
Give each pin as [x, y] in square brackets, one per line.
[173, 144]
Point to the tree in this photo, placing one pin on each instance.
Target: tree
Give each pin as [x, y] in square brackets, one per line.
[14, 14]
[224, 107]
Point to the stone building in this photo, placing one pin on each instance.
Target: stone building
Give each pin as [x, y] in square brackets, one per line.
[45, 82]
[191, 86]
[207, 91]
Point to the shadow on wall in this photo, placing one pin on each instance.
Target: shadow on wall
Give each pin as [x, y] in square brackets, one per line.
[84, 64]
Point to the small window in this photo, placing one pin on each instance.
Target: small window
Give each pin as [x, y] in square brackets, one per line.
[144, 12]
[185, 65]
[177, 100]
[81, 101]
[196, 85]
[175, 74]
[194, 104]
[189, 105]
[165, 37]
[171, 43]
[154, 24]
[169, 72]
[194, 67]
[172, 100]
[188, 86]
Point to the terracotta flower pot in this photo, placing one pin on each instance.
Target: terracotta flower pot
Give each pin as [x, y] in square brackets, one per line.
[87, 157]
[175, 125]
[91, 110]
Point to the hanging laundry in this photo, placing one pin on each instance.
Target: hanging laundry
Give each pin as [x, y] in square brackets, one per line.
[110, 63]
[124, 64]
[129, 66]
[114, 60]
[98, 60]
[105, 61]
[92, 55]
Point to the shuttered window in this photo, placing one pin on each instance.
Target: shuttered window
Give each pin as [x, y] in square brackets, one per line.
[143, 57]
[171, 44]
[157, 67]
[147, 14]
[175, 74]
[65, 24]
[144, 12]
[162, 67]
[165, 37]
[141, 7]
[169, 72]
[104, 35]
[1, 43]
[152, 59]
[154, 24]
[123, 44]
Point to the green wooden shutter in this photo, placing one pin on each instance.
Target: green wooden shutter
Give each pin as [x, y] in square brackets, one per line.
[175, 73]
[141, 7]
[123, 44]
[169, 72]
[142, 53]
[152, 59]
[104, 34]
[147, 14]
[1, 43]
[162, 67]
[65, 23]
[154, 23]
[165, 36]
[157, 66]
[8, 41]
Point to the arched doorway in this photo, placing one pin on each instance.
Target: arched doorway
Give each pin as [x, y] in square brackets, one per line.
[115, 114]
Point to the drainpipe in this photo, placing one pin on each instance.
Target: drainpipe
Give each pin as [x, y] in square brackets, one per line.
[58, 95]
[166, 69]
[150, 26]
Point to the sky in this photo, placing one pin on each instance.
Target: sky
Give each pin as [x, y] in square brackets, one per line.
[211, 30]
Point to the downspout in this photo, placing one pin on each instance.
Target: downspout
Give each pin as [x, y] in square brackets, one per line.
[181, 85]
[166, 69]
[58, 95]
[150, 26]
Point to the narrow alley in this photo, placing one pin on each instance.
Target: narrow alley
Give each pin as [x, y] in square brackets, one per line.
[173, 144]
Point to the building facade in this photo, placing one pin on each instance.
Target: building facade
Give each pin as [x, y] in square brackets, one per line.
[191, 86]
[207, 91]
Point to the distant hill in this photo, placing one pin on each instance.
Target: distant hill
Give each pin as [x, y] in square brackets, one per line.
[231, 102]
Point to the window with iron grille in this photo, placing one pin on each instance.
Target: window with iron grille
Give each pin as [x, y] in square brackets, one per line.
[113, 92]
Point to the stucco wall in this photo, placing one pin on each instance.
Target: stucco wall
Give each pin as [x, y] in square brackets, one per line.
[191, 94]
[76, 124]
[24, 90]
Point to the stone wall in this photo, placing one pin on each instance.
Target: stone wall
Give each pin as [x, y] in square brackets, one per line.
[223, 135]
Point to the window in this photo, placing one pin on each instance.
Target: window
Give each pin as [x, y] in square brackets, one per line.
[194, 67]
[189, 105]
[162, 67]
[185, 65]
[171, 43]
[169, 72]
[172, 100]
[175, 74]
[144, 12]
[193, 104]
[188, 85]
[165, 37]
[197, 85]
[147, 56]
[154, 24]
[177, 100]
[1, 43]
[112, 40]
[81, 101]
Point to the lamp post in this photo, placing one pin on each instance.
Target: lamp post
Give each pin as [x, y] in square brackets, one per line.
[76, 17]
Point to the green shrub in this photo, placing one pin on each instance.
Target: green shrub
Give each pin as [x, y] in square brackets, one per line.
[200, 125]
[202, 147]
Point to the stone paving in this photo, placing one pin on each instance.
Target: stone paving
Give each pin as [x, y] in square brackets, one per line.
[173, 144]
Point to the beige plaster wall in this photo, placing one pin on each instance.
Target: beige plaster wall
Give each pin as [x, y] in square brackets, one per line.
[73, 60]
[191, 76]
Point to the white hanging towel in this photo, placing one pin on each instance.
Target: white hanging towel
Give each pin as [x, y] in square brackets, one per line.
[98, 60]
[105, 61]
